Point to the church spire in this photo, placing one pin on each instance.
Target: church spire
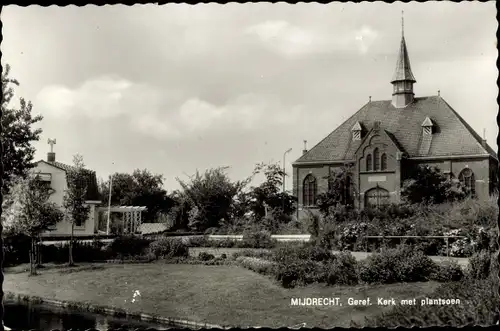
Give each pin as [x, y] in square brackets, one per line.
[403, 78]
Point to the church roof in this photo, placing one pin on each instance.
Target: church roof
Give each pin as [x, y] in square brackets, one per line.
[403, 68]
[452, 135]
[92, 190]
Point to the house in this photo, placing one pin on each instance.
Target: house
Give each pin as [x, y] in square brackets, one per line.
[384, 138]
[54, 173]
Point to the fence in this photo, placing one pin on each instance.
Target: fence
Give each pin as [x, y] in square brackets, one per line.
[417, 237]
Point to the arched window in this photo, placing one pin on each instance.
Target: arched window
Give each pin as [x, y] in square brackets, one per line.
[310, 189]
[466, 177]
[349, 196]
[383, 161]
[376, 159]
[376, 197]
[369, 162]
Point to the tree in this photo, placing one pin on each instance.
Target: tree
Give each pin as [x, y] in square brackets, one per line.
[213, 195]
[141, 188]
[28, 211]
[74, 198]
[270, 194]
[429, 185]
[341, 191]
[180, 211]
[17, 134]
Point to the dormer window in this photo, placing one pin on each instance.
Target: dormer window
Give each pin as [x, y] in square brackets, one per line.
[357, 131]
[427, 126]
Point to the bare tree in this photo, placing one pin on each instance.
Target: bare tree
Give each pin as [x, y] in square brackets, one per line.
[74, 198]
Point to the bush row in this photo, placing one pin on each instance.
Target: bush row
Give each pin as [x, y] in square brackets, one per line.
[349, 235]
[122, 248]
[477, 292]
[301, 265]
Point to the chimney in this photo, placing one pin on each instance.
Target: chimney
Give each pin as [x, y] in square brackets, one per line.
[304, 151]
[483, 141]
[51, 157]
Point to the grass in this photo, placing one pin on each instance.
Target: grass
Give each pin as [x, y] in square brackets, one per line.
[224, 295]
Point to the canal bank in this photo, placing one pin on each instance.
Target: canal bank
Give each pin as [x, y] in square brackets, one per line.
[110, 311]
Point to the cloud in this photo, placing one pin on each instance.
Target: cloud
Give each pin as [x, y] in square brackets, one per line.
[163, 114]
[293, 40]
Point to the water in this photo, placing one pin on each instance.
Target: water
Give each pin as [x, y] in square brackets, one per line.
[46, 318]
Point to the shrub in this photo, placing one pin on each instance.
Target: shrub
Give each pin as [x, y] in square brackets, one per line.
[129, 245]
[298, 272]
[201, 241]
[215, 261]
[448, 271]
[223, 256]
[168, 247]
[301, 264]
[260, 239]
[304, 252]
[17, 249]
[342, 270]
[255, 264]
[479, 265]
[396, 265]
[203, 256]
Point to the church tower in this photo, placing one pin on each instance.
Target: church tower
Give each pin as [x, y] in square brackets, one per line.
[403, 78]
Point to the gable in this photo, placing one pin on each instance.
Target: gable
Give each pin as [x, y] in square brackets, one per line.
[453, 136]
[384, 137]
[61, 169]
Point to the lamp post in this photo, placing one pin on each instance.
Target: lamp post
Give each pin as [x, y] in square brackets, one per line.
[109, 202]
[284, 177]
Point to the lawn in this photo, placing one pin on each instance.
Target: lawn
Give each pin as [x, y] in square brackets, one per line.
[224, 295]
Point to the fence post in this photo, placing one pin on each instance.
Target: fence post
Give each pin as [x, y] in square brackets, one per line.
[447, 247]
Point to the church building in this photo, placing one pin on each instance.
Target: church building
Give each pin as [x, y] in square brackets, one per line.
[384, 138]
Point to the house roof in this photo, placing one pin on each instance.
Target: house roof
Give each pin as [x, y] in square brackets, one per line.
[452, 135]
[92, 189]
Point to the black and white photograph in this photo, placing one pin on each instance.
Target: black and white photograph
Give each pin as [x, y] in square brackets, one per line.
[234, 165]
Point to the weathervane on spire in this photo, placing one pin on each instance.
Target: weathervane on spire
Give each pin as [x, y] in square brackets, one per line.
[403, 23]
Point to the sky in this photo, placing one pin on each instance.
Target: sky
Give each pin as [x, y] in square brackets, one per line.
[179, 88]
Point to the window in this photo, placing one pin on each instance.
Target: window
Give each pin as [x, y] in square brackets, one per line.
[427, 130]
[466, 177]
[376, 160]
[376, 198]
[369, 162]
[383, 161]
[309, 190]
[356, 135]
